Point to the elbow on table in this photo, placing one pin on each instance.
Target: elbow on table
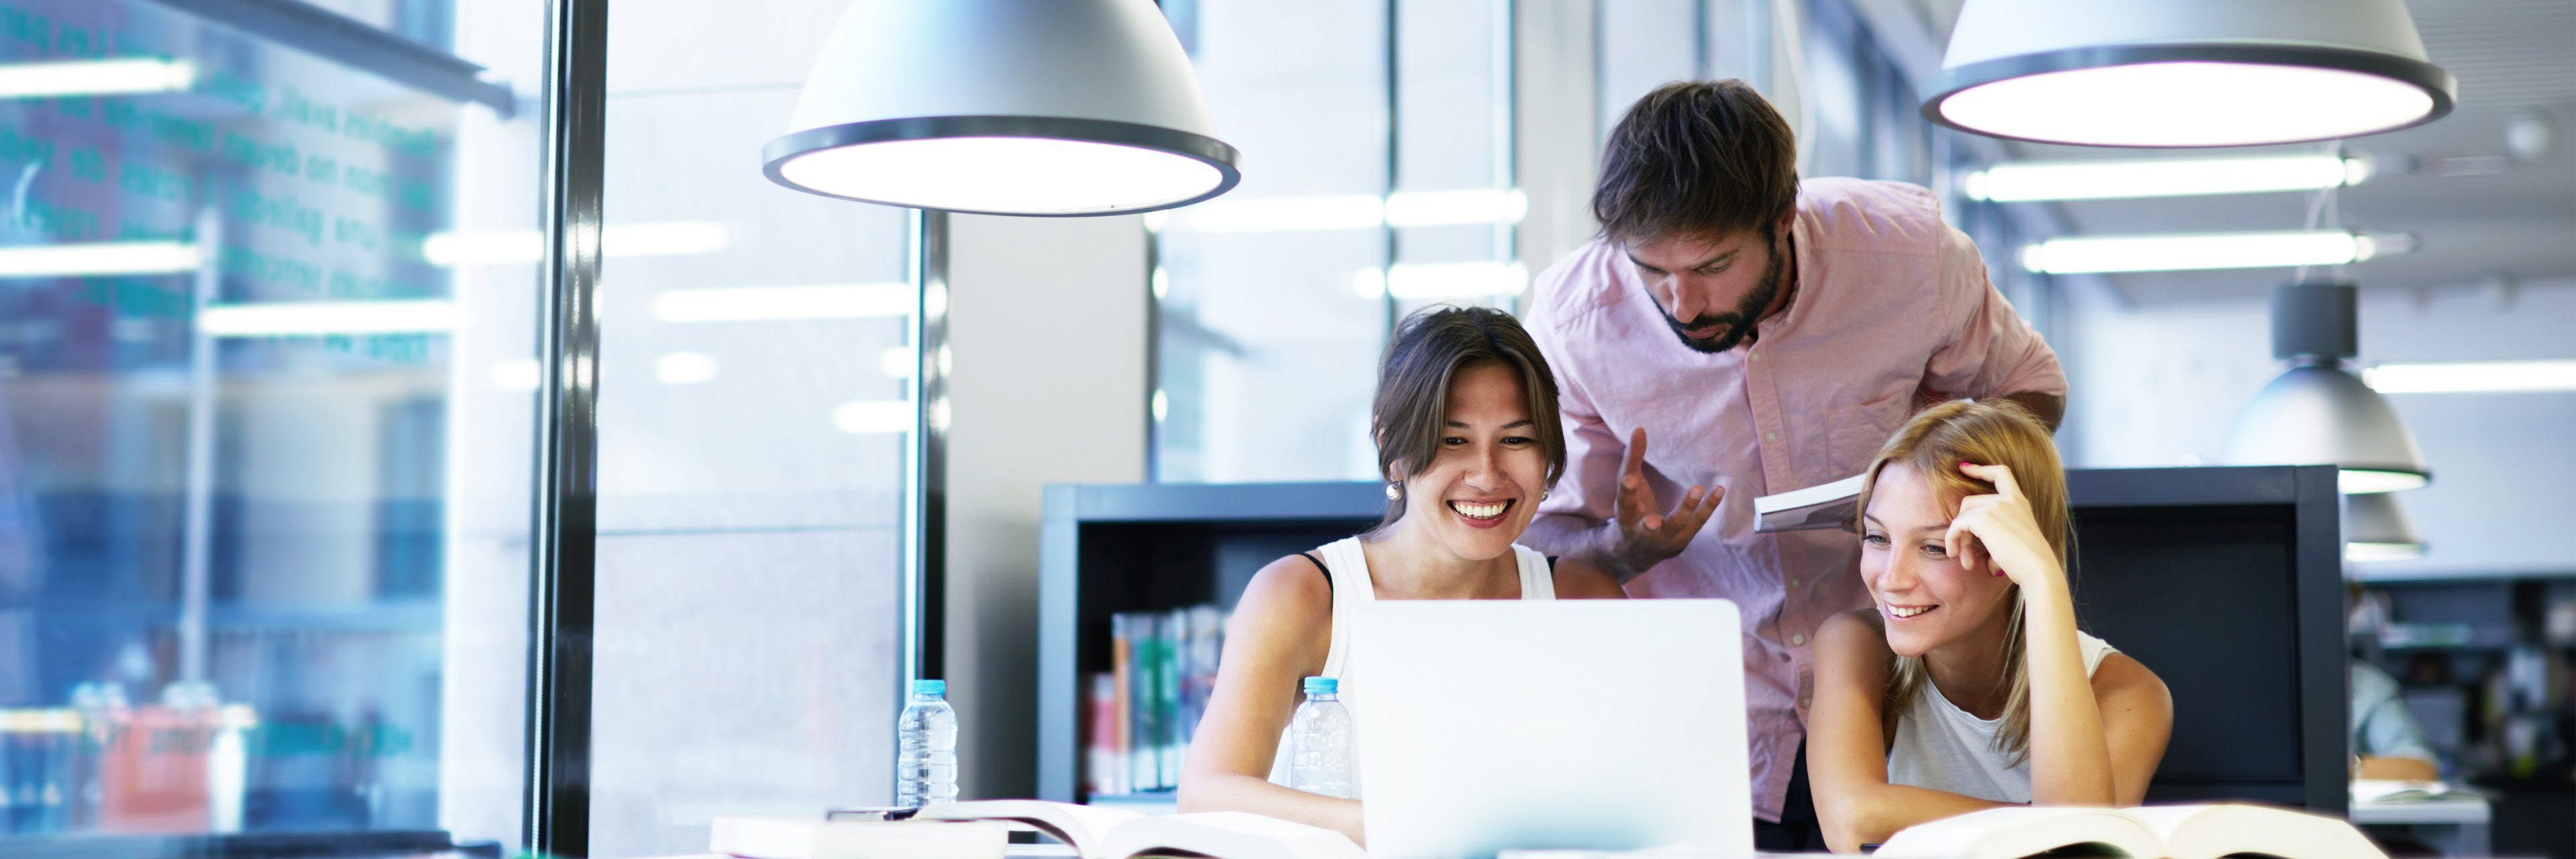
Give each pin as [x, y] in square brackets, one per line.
[1849, 823]
[1193, 794]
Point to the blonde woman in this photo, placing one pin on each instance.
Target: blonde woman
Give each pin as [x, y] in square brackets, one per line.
[1966, 685]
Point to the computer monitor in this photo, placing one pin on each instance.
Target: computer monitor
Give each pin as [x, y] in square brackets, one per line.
[1492, 725]
[2227, 582]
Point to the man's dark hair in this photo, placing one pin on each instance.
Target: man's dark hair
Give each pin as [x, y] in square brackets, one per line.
[1411, 414]
[1696, 158]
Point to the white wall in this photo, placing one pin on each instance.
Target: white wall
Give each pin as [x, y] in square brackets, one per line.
[2161, 385]
[1047, 324]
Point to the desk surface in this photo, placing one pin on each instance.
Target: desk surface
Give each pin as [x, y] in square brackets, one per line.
[2463, 811]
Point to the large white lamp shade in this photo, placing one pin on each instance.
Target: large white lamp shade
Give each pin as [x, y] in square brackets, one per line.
[1012, 107]
[2175, 73]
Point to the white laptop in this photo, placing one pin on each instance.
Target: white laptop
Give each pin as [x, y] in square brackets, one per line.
[1491, 725]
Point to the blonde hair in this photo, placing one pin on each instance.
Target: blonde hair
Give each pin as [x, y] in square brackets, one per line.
[1993, 432]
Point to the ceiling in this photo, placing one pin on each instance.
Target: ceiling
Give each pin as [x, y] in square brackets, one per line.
[2489, 219]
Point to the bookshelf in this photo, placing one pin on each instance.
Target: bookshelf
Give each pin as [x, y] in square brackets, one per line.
[1148, 547]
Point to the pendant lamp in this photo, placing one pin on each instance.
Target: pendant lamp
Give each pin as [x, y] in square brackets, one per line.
[2376, 528]
[2318, 412]
[2172, 73]
[1008, 107]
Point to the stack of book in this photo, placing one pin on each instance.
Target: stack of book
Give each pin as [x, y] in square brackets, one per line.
[1141, 713]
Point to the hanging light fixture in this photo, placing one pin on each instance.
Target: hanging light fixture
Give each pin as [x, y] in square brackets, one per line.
[2376, 528]
[2318, 412]
[2171, 73]
[1010, 107]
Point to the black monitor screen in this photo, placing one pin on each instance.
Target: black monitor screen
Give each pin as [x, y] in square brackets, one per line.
[2205, 596]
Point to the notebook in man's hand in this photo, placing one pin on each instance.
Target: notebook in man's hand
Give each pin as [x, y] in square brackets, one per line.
[2150, 832]
[1825, 505]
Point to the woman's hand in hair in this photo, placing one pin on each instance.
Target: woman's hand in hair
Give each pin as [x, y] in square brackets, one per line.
[1999, 534]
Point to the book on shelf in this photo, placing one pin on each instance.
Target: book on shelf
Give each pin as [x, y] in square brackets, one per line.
[2149, 832]
[1824, 505]
[1162, 670]
[1109, 833]
[811, 838]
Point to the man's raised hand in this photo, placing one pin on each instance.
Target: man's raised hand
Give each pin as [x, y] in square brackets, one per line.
[1647, 535]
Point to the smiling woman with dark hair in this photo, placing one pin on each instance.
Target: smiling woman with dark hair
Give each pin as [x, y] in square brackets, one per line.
[1466, 426]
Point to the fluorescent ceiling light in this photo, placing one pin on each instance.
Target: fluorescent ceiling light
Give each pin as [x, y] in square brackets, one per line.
[503, 247]
[106, 258]
[96, 77]
[2172, 177]
[864, 417]
[2200, 251]
[684, 368]
[898, 362]
[762, 303]
[1348, 212]
[314, 318]
[2368, 553]
[1436, 281]
[518, 374]
[2472, 377]
[1445, 208]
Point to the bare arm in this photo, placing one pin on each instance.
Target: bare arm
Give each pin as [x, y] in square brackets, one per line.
[1281, 632]
[2137, 722]
[1577, 580]
[1847, 742]
[2078, 756]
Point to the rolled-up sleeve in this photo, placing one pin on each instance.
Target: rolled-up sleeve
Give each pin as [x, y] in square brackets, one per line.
[1991, 350]
[1589, 490]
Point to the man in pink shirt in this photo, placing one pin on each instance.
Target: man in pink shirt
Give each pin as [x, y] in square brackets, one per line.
[1767, 335]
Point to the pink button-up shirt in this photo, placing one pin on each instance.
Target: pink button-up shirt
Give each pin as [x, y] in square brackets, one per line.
[1892, 310]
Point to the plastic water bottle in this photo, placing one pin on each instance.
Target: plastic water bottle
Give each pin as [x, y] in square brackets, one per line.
[926, 760]
[1321, 731]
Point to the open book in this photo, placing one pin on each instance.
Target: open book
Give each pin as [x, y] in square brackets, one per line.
[1110, 833]
[1824, 505]
[2152, 832]
[810, 838]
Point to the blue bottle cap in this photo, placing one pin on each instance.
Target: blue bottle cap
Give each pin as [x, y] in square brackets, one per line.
[1323, 686]
[930, 687]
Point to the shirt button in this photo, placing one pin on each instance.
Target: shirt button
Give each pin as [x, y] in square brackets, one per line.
[1751, 355]
[1806, 703]
[1770, 436]
[1798, 640]
[1793, 582]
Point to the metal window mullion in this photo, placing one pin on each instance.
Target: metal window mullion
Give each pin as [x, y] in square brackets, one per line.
[564, 530]
[1394, 162]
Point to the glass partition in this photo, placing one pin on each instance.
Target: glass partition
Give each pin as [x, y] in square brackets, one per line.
[265, 416]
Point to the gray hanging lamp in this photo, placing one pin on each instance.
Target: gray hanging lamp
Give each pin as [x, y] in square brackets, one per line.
[1010, 107]
[2318, 412]
[2376, 528]
[2170, 73]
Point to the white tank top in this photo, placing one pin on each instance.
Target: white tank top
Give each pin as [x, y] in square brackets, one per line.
[1942, 747]
[1347, 569]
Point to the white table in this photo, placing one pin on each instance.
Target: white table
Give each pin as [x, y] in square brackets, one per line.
[2466, 819]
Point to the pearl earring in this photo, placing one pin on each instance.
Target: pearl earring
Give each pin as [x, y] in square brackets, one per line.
[1392, 493]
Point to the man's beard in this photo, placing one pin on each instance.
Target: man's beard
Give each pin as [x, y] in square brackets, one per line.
[1738, 322]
